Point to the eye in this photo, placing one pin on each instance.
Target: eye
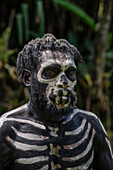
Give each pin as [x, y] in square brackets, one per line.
[50, 72]
[71, 73]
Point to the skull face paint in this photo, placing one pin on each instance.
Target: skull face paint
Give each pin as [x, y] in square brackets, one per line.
[58, 71]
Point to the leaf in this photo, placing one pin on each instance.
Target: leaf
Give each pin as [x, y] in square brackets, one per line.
[11, 70]
[19, 21]
[77, 11]
[25, 13]
[40, 10]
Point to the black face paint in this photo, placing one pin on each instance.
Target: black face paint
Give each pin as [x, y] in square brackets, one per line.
[52, 90]
[51, 71]
[57, 71]
[71, 73]
[64, 79]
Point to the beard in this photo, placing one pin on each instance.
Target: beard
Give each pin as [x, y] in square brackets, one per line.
[50, 111]
[53, 112]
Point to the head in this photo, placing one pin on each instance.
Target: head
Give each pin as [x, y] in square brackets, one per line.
[47, 68]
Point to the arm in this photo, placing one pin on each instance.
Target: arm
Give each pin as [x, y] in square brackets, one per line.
[5, 151]
[103, 159]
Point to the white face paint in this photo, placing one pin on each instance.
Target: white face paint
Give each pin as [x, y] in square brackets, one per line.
[59, 72]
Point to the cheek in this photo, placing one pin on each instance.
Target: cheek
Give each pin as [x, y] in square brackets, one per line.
[51, 86]
[72, 84]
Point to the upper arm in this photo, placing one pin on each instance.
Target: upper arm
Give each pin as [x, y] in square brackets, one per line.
[5, 151]
[103, 159]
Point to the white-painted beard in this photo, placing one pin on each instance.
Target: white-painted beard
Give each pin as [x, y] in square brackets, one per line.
[61, 98]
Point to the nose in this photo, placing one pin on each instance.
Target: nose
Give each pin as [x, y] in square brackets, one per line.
[63, 83]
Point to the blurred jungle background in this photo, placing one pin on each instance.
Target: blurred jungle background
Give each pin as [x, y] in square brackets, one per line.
[87, 24]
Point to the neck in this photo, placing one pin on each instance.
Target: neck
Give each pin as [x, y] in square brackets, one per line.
[48, 114]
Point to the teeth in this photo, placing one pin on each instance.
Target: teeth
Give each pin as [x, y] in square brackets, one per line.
[57, 99]
[65, 93]
[64, 100]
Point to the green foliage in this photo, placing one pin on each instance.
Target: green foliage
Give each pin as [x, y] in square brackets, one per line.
[9, 97]
[23, 22]
[75, 25]
[25, 12]
[40, 9]
[19, 20]
[5, 53]
[77, 11]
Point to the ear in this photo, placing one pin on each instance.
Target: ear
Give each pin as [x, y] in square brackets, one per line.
[26, 78]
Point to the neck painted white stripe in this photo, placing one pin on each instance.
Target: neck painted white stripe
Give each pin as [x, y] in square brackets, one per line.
[28, 161]
[29, 136]
[78, 130]
[25, 147]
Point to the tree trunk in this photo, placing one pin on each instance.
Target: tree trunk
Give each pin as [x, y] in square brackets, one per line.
[100, 45]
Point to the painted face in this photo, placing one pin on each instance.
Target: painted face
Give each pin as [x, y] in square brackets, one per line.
[58, 71]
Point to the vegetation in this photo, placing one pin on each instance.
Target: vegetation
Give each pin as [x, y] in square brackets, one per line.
[85, 24]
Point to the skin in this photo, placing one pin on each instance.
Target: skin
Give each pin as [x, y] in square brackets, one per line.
[52, 109]
[62, 71]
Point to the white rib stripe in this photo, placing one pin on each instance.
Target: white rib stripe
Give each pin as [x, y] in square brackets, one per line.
[75, 158]
[74, 145]
[28, 161]
[44, 167]
[84, 166]
[87, 164]
[78, 130]
[29, 136]
[25, 147]
[37, 125]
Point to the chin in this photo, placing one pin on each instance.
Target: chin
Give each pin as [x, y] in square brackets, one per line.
[57, 111]
[52, 111]
[61, 101]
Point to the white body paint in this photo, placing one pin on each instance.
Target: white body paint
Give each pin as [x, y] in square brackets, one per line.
[53, 150]
[25, 147]
[29, 136]
[32, 160]
[55, 82]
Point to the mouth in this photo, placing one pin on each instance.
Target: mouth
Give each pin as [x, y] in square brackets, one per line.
[62, 98]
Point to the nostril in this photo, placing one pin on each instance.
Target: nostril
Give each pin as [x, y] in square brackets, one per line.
[64, 79]
[59, 86]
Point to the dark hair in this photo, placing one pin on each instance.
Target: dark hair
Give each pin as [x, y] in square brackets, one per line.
[32, 51]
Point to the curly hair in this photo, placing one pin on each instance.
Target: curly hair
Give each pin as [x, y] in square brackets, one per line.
[31, 52]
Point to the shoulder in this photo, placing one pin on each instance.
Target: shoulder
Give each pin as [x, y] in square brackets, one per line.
[92, 119]
[10, 114]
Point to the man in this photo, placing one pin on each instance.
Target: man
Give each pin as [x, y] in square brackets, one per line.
[50, 132]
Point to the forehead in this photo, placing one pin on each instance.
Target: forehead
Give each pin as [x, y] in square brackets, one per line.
[50, 57]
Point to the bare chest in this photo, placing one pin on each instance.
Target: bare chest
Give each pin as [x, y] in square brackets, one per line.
[40, 147]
